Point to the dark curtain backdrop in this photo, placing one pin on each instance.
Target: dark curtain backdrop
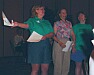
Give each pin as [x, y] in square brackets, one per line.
[20, 10]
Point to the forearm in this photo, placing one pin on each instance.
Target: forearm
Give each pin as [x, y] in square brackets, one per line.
[73, 36]
[59, 42]
[56, 39]
[50, 35]
[22, 25]
[74, 39]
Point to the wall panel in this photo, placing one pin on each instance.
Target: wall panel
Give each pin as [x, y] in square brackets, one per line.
[50, 10]
[63, 4]
[1, 30]
[79, 5]
[92, 12]
[13, 9]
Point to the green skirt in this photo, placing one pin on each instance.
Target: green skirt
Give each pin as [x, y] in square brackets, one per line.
[39, 52]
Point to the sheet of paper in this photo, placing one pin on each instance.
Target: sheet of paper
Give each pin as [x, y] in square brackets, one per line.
[6, 21]
[34, 37]
[91, 66]
[93, 30]
[68, 46]
[92, 41]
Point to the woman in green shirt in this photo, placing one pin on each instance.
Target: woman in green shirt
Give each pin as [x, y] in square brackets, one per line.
[39, 53]
[83, 37]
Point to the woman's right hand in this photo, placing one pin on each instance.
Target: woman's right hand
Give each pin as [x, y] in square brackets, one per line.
[62, 44]
[73, 49]
[15, 24]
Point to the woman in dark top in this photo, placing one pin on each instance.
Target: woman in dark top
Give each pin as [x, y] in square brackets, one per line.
[83, 42]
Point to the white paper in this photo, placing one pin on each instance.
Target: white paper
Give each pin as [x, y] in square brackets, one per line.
[34, 37]
[68, 46]
[91, 66]
[92, 41]
[6, 21]
[93, 30]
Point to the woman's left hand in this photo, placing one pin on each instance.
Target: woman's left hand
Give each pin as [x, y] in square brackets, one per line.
[47, 36]
[44, 37]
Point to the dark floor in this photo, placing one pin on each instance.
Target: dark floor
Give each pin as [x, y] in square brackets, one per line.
[18, 66]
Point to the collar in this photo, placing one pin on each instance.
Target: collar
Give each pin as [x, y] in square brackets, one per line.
[38, 20]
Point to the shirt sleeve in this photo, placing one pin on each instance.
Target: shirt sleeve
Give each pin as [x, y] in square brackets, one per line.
[50, 27]
[30, 23]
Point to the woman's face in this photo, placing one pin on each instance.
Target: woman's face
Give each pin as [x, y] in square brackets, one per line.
[81, 17]
[63, 14]
[40, 11]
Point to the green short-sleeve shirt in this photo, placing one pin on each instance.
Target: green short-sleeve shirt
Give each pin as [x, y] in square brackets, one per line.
[42, 27]
[80, 31]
